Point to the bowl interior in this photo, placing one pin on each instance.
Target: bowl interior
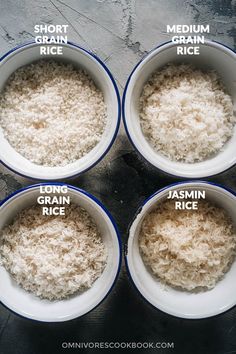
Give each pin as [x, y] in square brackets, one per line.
[28, 305]
[176, 302]
[212, 56]
[79, 58]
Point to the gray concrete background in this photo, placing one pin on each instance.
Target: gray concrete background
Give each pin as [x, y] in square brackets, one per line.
[120, 32]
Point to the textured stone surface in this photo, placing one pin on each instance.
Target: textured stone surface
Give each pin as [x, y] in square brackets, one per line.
[120, 32]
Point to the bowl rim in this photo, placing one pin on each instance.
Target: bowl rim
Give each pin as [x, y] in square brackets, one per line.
[118, 119]
[166, 44]
[116, 230]
[164, 309]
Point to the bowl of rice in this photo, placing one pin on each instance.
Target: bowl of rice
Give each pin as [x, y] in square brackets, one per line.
[55, 268]
[179, 111]
[59, 115]
[183, 261]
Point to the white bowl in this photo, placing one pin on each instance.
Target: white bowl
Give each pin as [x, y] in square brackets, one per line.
[29, 53]
[212, 56]
[176, 302]
[30, 306]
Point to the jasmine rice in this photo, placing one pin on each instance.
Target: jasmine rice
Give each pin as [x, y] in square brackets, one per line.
[188, 249]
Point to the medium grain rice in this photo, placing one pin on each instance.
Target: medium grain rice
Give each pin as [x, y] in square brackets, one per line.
[185, 113]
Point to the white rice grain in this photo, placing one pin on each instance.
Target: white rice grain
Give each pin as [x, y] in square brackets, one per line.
[53, 257]
[52, 113]
[185, 114]
[188, 249]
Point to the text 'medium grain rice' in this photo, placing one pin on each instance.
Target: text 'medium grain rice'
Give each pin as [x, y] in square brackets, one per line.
[53, 256]
[188, 249]
[52, 113]
[185, 113]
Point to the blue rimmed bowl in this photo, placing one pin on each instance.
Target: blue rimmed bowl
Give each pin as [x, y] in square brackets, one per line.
[172, 301]
[212, 55]
[79, 57]
[26, 304]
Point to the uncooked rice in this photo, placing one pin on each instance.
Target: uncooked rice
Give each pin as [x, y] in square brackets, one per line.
[185, 113]
[52, 113]
[53, 256]
[188, 249]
